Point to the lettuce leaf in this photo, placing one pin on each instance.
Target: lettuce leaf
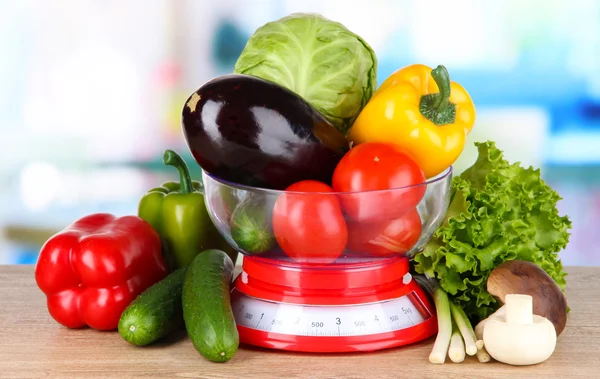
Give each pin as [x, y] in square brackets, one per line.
[498, 212]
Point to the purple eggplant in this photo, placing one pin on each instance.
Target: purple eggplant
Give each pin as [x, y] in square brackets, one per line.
[250, 131]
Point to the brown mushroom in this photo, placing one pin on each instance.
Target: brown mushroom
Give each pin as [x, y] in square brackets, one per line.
[527, 278]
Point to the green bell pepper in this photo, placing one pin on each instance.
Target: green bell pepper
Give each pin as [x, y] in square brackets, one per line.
[178, 213]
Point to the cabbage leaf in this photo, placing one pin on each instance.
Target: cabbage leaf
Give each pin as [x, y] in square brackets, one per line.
[320, 60]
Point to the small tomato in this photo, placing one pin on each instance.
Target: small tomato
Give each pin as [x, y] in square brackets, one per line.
[393, 181]
[385, 238]
[308, 223]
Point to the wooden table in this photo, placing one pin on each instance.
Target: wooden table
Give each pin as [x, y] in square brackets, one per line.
[32, 345]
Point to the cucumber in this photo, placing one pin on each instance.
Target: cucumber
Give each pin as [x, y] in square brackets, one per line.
[155, 313]
[207, 308]
[251, 226]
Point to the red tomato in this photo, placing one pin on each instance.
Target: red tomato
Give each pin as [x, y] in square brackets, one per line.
[383, 238]
[309, 226]
[377, 167]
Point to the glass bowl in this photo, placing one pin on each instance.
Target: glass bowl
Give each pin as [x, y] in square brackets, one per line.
[327, 227]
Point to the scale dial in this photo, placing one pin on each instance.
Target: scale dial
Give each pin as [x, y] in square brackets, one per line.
[328, 321]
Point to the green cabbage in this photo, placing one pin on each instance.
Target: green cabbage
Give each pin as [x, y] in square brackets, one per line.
[499, 212]
[322, 61]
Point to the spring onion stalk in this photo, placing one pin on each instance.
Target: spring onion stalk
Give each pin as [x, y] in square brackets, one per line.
[482, 355]
[444, 318]
[456, 352]
[447, 315]
[465, 327]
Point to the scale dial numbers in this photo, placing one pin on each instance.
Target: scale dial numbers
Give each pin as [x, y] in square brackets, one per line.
[328, 321]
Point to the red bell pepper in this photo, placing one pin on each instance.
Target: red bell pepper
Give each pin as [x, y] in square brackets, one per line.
[94, 268]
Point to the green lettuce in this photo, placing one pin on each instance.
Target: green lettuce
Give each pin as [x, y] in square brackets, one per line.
[498, 212]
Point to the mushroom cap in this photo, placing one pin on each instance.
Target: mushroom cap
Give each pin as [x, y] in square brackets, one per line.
[527, 278]
[519, 344]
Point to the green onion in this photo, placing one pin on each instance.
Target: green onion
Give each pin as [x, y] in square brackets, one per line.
[444, 318]
[457, 345]
[465, 327]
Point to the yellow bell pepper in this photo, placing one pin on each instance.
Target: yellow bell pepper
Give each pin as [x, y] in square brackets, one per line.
[422, 111]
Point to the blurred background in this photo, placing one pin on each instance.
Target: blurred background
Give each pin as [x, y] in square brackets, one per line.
[91, 92]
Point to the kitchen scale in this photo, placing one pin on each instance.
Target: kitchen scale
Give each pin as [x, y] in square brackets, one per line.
[358, 305]
[359, 302]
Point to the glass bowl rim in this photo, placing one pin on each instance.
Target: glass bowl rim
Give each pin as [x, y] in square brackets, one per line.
[444, 175]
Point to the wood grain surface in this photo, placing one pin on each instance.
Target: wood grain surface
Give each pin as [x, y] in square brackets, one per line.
[32, 345]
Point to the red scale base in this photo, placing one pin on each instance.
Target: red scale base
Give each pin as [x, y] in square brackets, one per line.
[332, 285]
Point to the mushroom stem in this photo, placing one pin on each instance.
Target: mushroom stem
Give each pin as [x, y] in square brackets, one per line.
[519, 309]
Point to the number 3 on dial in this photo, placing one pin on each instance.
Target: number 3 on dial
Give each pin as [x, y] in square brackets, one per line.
[338, 321]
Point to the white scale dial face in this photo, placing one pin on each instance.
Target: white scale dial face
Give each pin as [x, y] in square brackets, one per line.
[326, 320]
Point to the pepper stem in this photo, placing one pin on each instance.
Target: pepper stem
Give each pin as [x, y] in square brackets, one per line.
[171, 158]
[442, 79]
[436, 107]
